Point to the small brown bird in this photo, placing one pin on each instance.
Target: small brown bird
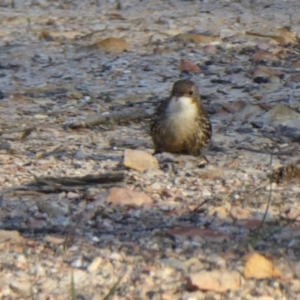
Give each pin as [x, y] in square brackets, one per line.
[289, 173]
[181, 124]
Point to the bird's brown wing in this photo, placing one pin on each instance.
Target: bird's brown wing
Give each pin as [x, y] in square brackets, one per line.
[202, 136]
[157, 123]
[158, 116]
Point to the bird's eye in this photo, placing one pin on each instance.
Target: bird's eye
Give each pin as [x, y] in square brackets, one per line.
[191, 93]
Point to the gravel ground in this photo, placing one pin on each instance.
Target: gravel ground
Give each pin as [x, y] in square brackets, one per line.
[81, 216]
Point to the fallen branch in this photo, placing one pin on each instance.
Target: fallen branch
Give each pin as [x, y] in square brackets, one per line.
[84, 180]
[72, 184]
[283, 152]
[116, 117]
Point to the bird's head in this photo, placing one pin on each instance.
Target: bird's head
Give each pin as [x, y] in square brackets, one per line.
[184, 97]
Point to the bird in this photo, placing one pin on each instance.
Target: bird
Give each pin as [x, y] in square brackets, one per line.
[289, 173]
[180, 124]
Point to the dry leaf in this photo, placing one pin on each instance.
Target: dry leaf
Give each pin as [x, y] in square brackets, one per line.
[217, 281]
[280, 35]
[257, 96]
[51, 36]
[115, 16]
[239, 213]
[265, 56]
[120, 196]
[44, 35]
[234, 164]
[56, 240]
[235, 106]
[114, 45]
[286, 37]
[27, 132]
[259, 267]
[7, 237]
[198, 38]
[189, 67]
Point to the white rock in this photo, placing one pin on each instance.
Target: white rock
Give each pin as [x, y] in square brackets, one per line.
[95, 264]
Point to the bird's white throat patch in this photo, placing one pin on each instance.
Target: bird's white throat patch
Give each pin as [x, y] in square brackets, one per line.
[182, 108]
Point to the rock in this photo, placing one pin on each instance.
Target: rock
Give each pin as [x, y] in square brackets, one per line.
[22, 288]
[18, 212]
[240, 213]
[80, 277]
[212, 173]
[173, 263]
[52, 209]
[216, 260]
[116, 256]
[187, 233]
[241, 110]
[210, 50]
[119, 196]
[282, 115]
[157, 38]
[72, 195]
[189, 67]
[235, 106]
[225, 33]
[95, 264]
[139, 160]
[5, 3]
[259, 267]
[156, 186]
[77, 262]
[10, 236]
[263, 74]
[54, 240]
[40, 116]
[217, 281]
[38, 270]
[21, 258]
